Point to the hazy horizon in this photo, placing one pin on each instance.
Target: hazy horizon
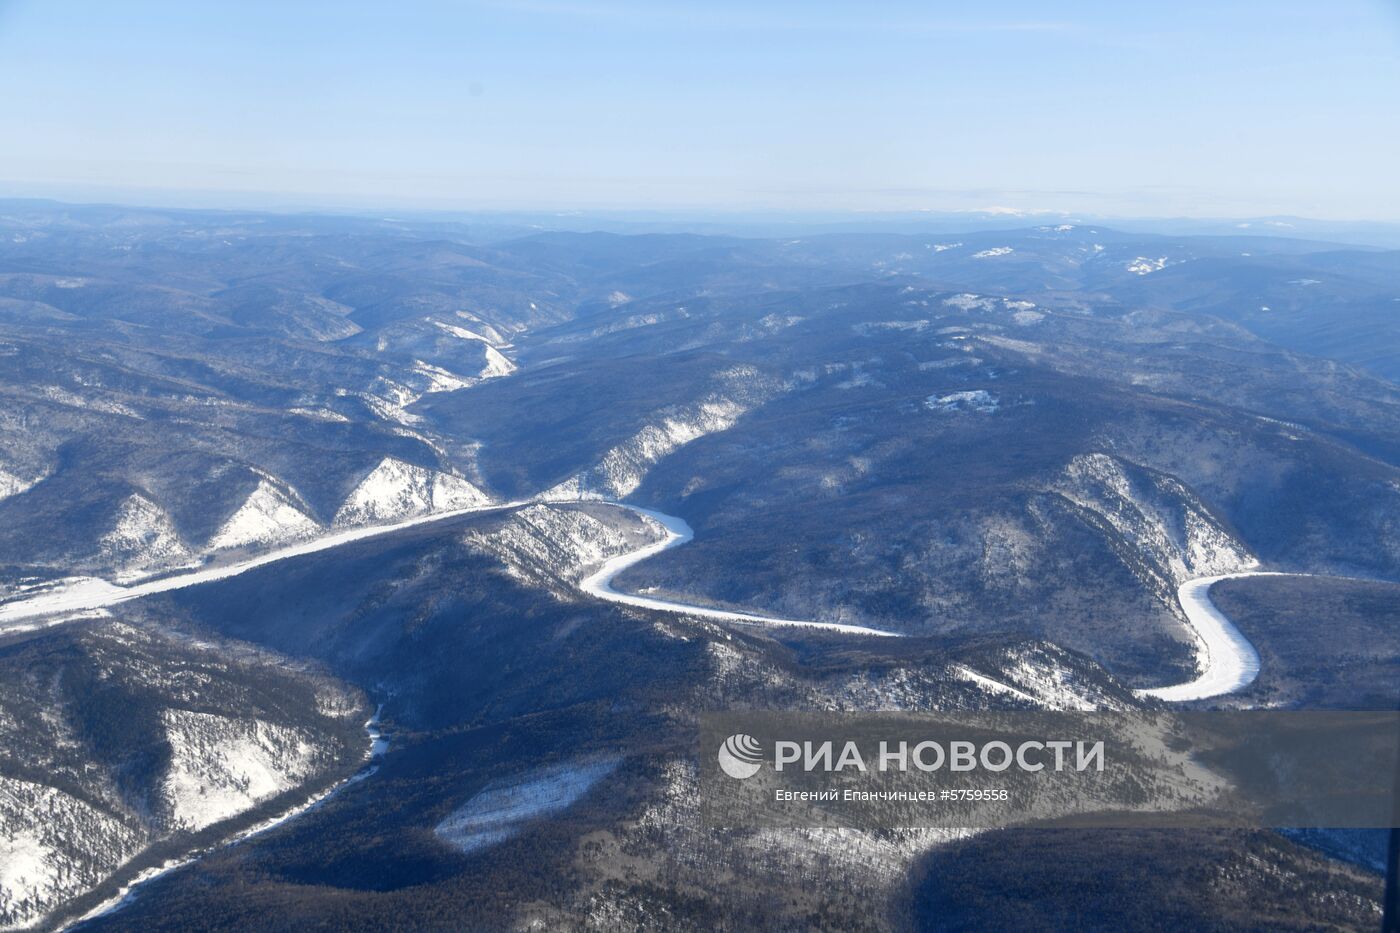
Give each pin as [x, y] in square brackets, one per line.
[504, 222]
[1089, 108]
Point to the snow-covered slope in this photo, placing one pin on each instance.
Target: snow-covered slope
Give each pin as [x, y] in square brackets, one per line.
[395, 489]
[439, 379]
[83, 793]
[1041, 675]
[430, 378]
[142, 540]
[74, 597]
[266, 517]
[496, 364]
[447, 356]
[1173, 542]
[622, 469]
[54, 846]
[11, 485]
[1159, 526]
[432, 371]
[487, 334]
[548, 546]
[221, 766]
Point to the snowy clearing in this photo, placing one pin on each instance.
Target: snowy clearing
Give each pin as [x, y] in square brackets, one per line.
[503, 809]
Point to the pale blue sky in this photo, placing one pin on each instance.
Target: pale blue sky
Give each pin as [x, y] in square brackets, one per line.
[1220, 108]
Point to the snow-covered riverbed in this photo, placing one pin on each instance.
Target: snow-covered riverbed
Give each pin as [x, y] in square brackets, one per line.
[1227, 659]
[88, 594]
[678, 532]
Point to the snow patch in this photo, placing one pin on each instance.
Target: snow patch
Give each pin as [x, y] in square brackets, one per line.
[953, 363]
[62, 396]
[1041, 673]
[869, 327]
[969, 302]
[1042, 676]
[973, 400]
[996, 687]
[1143, 265]
[859, 378]
[320, 414]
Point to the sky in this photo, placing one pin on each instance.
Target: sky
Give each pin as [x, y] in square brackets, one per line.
[1226, 108]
